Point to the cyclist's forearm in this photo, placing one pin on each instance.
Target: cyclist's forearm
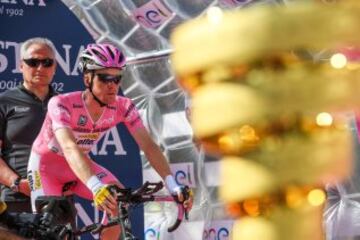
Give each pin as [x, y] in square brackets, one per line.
[7, 176]
[152, 152]
[79, 163]
[81, 166]
[158, 161]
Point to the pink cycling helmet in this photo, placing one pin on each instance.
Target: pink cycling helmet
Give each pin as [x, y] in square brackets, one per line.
[99, 56]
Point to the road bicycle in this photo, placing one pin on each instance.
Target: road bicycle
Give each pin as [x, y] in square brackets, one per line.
[54, 214]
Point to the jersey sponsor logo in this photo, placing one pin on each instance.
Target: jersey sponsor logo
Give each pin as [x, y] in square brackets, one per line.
[34, 180]
[92, 136]
[85, 141]
[37, 184]
[30, 180]
[82, 120]
[19, 109]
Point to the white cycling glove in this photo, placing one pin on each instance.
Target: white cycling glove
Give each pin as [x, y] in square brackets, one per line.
[171, 185]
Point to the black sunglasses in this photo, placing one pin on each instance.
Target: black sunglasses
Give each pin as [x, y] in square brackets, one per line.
[107, 78]
[35, 62]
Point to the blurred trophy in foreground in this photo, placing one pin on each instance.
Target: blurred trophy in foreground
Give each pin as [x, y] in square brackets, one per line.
[274, 114]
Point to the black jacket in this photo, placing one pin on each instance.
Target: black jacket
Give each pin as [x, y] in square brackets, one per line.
[21, 118]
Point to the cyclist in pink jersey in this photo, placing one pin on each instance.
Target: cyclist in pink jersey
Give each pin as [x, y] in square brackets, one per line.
[76, 121]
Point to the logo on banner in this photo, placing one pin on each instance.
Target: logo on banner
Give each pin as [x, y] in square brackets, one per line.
[184, 173]
[152, 14]
[12, 8]
[152, 234]
[219, 230]
[213, 234]
[41, 3]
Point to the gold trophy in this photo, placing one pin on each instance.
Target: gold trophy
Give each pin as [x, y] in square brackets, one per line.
[277, 117]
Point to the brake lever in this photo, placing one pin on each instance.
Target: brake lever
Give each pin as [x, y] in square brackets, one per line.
[182, 211]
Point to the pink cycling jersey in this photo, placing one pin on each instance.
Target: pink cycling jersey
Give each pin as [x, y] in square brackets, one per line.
[48, 170]
[69, 111]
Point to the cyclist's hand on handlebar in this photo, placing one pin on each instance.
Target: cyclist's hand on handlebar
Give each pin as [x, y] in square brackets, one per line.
[104, 200]
[184, 195]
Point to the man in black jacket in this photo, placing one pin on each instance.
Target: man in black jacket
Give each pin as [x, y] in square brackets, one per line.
[22, 111]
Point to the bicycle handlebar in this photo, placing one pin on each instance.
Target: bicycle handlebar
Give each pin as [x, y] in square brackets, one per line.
[146, 194]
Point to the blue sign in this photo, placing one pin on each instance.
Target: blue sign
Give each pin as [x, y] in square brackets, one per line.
[24, 19]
